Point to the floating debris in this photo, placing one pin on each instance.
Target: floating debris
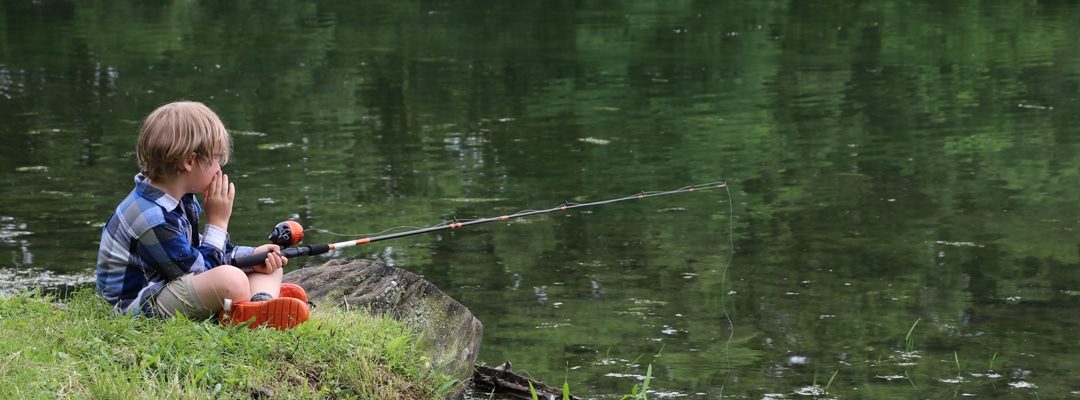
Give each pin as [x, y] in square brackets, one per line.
[1035, 107]
[33, 168]
[475, 199]
[6, 235]
[666, 395]
[274, 146]
[812, 390]
[957, 244]
[618, 375]
[247, 133]
[266, 200]
[56, 193]
[909, 355]
[798, 360]
[592, 140]
[647, 301]
[551, 325]
[671, 209]
[611, 361]
[1022, 385]
[890, 378]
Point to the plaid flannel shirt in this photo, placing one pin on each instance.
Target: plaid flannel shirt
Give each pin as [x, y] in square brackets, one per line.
[151, 239]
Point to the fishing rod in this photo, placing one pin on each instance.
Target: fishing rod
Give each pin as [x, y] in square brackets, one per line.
[289, 233]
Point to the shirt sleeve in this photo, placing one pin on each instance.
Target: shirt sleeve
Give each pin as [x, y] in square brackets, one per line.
[168, 252]
[215, 237]
[219, 250]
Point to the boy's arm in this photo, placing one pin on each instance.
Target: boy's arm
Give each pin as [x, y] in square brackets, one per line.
[218, 249]
[168, 252]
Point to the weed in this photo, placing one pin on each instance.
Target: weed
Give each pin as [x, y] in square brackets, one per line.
[909, 340]
[829, 383]
[637, 393]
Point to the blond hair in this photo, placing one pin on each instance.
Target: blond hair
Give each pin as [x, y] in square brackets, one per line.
[176, 130]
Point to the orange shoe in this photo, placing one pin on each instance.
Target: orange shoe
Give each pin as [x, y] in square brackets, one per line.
[293, 290]
[280, 313]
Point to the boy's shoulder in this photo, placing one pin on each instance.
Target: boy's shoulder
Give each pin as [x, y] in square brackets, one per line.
[140, 213]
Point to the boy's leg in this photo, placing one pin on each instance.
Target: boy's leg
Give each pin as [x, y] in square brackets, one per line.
[272, 311]
[179, 297]
[266, 283]
[220, 283]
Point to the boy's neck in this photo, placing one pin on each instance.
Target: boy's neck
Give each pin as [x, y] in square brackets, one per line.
[173, 187]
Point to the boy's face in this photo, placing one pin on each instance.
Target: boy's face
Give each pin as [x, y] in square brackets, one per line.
[203, 173]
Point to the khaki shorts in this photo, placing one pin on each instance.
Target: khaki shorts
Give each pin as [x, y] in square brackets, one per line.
[179, 297]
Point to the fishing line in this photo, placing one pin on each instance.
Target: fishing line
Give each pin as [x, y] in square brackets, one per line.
[396, 228]
[724, 291]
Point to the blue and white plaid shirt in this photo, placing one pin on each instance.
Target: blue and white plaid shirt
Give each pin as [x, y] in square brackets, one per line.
[151, 239]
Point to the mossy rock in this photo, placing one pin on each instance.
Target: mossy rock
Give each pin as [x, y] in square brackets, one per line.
[447, 330]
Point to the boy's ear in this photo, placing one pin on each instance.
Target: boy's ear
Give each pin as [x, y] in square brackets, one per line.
[189, 162]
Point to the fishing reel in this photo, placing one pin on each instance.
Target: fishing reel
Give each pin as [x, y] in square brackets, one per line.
[286, 234]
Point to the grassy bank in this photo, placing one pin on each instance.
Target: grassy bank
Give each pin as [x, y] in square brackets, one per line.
[78, 349]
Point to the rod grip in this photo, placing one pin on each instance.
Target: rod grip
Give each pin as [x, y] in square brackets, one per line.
[259, 258]
[254, 259]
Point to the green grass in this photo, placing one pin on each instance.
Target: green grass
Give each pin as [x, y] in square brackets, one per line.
[909, 340]
[79, 349]
[639, 393]
[829, 383]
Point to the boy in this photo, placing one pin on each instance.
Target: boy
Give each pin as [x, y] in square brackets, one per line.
[152, 261]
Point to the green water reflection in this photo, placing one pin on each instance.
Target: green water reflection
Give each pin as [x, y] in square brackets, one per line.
[889, 162]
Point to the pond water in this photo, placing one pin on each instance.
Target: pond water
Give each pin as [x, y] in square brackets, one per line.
[903, 175]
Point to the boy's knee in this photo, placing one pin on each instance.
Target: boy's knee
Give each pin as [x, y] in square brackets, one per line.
[231, 275]
[226, 279]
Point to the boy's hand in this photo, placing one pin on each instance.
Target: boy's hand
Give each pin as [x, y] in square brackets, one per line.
[218, 201]
[274, 259]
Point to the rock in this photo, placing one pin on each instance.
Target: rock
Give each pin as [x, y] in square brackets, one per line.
[446, 328]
